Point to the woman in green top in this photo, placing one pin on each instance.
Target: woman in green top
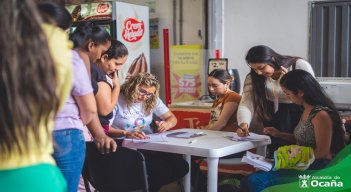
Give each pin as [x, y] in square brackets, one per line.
[33, 85]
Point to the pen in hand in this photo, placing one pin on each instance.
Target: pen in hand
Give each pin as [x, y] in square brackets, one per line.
[245, 131]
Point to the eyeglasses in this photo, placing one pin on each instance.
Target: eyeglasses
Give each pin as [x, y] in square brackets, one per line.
[143, 92]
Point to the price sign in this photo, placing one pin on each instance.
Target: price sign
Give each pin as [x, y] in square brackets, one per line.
[217, 64]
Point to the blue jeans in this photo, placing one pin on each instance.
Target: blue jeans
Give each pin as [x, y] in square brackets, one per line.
[261, 180]
[69, 154]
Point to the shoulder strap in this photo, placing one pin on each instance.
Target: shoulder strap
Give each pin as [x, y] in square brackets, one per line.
[294, 66]
[317, 109]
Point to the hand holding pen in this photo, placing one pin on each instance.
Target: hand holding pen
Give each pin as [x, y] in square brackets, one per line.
[162, 126]
[137, 135]
[243, 130]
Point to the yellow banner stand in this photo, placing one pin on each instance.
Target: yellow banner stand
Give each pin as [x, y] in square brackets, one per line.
[186, 72]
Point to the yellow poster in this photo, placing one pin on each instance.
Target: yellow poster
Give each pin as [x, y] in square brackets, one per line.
[186, 72]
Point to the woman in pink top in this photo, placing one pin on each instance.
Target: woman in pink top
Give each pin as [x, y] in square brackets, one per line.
[79, 108]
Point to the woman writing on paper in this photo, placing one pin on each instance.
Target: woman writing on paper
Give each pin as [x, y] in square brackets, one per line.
[263, 96]
[90, 41]
[320, 128]
[137, 103]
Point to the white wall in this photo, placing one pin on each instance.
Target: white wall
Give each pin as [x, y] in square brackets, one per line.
[280, 24]
[192, 22]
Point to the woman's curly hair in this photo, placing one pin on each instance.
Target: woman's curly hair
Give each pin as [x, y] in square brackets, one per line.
[130, 89]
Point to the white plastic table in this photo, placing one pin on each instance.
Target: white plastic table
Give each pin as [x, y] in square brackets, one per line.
[213, 145]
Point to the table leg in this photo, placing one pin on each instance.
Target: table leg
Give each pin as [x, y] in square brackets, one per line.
[212, 174]
[187, 184]
[262, 150]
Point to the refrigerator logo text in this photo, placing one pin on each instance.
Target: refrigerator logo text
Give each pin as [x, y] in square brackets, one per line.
[133, 30]
[102, 8]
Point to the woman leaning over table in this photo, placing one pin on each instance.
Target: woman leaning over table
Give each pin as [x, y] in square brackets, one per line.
[263, 96]
[137, 102]
[320, 128]
[90, 41]
[78, 110]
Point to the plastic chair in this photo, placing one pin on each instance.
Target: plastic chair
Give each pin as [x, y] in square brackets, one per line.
[122, 171]
[231, 165]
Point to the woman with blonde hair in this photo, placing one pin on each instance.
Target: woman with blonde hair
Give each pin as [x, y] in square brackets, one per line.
[137, 103]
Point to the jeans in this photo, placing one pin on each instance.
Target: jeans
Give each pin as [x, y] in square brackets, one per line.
[69, 154]
[261, 180]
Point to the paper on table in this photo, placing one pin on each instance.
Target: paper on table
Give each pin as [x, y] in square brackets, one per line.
[251, 137]
[257, 161]
[157, 137]
[185, 135]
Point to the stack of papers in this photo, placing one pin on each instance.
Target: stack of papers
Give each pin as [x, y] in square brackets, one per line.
[251, 137]
[157, 137]
[257, 161]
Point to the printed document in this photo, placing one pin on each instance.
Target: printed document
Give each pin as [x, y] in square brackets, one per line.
[251, 137]
[156, 137]
[257, 161]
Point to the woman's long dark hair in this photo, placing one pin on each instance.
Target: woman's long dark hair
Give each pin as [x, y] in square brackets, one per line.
[56, 12]
[86, 32]
[314, 95]
[222, 75]
[264, 54]
[116, 50]
[27, 77]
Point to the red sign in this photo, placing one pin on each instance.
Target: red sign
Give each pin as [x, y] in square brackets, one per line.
[102, 8]
[133, 30]
[188, 118]
[188, 84]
